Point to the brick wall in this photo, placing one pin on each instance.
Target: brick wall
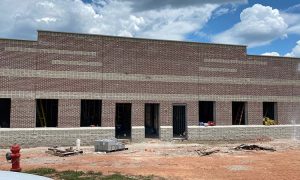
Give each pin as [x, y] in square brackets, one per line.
[70, 67]
[223, 113]
[192, 113]
[288, 113]
[138, 113]
[255, 113]
[22, 113]
[166, 113]
[108, 114]
[69, 113]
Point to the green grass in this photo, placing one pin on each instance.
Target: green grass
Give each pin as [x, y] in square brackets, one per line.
[117, 177]
[80, 175]
[41, 171]
[70, 175]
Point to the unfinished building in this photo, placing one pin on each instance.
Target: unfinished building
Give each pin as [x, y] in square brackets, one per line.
[141, 88]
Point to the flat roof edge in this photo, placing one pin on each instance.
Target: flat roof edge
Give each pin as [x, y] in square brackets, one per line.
[11, 39]
[139, 38]
[268, 56]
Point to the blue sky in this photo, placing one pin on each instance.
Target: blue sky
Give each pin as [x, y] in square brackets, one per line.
[266, 27]
[226, 21]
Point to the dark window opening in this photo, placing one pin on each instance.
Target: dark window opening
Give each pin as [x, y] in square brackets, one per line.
[206, 111]
[239, 113]
[123, 120]
[90, 113]
[270, 110]
[179, 121]
[5, 105]
[46, 112]
[151, 120]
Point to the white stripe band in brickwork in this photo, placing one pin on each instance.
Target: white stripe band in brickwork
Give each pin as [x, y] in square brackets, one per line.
[142, 77]
[143, 96]
[76, 63]
[227, 61]
[138, 127]
[217, 69]
[52, 51]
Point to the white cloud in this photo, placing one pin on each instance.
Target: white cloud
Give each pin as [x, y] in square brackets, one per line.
[293, 9]
[259, 25]
[222, 11]
[293, 21]
[174, 23]
[142, 5]
[163, 19]
[46, 19]
[295, 51]
[271, 54]
[294, 29]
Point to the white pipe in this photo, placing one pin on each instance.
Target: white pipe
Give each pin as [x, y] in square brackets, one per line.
[77, 144]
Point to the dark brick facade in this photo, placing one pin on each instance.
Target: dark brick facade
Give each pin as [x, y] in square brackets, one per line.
[71, 67]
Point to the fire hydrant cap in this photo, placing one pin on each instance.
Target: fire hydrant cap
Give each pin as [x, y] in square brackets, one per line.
[15, 148]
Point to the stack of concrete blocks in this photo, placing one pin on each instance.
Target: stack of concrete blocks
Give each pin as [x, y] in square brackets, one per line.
[107, 145]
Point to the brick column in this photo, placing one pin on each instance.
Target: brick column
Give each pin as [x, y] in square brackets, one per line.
[166, 114]
[68, 113]
[108, 113]
[287, 112]
[138, 118]
[192, 113]
[223, 113]
[192, 118]
[296, 114]
[22, 113]
[255, 113]
[165, 117]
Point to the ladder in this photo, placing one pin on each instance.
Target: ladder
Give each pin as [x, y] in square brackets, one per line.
[41, 115]
[239, 115]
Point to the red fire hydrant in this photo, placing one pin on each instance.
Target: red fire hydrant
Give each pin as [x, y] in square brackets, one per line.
[15, 158]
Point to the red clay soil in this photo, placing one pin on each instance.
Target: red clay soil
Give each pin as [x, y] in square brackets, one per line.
[282, 164]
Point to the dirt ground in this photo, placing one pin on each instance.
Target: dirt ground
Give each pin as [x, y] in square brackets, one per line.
[176, 160]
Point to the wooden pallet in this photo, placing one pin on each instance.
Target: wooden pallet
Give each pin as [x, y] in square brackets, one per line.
[62, 152]
[114, 150]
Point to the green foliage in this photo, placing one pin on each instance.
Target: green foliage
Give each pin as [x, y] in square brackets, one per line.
[70, 175]
[80, 175]
[41, 171]
[117, 177]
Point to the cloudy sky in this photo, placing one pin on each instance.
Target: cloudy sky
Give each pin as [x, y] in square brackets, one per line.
[269, 27]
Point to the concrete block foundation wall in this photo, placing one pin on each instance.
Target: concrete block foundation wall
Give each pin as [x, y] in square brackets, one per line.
[32, 137]
[251, 132]
[137, 133]
[166, 133]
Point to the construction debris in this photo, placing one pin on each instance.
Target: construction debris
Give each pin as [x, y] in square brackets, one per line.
[61, 152]
[109, 145]
[253, 147]
[267, 121]
[206, 153]
[209, 123]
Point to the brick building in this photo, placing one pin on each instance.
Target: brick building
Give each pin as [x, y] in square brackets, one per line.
[138, 88]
